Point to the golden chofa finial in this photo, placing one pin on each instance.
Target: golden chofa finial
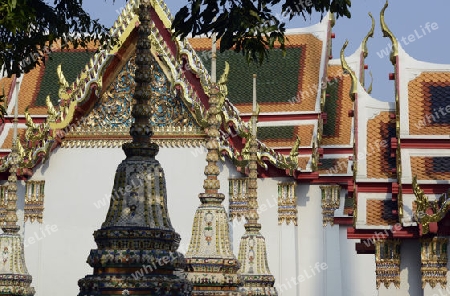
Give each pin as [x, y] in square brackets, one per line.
[345, 66]
[388, 33]
[369, 35]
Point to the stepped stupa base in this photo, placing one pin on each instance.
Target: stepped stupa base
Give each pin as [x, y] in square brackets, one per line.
[253, 253]
[259, 291]
[148, 285]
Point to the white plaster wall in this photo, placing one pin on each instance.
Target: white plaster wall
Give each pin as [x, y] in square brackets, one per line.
[333, 276]
[357, 271]
[410, 275]
[311, 239]
[281, 240]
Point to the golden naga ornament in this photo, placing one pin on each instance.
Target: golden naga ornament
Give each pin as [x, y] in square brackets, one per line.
[429, 212]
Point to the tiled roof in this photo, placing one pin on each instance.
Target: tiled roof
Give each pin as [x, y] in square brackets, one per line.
[7, 143]
[333, 166]
[302, 162]
[285, 136]
[379, 132]
[72, 62]
[29, 89]
[429, 97]
[279, 80]
[379, 212]
[430, 168]
[338, 128]
[43, 80]
[5, 85]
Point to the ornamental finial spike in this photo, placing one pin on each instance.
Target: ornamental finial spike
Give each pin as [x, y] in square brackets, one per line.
[214, 59]
[348, 70]
[255, 106]
[388, 33]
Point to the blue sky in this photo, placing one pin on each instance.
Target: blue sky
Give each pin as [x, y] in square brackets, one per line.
[403, 17]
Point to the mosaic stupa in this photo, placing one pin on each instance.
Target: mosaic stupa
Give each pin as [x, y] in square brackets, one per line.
[256, 276]
[137, 246]
[211, 265]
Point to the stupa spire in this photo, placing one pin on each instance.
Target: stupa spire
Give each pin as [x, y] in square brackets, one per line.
[14, 276]
[137, 244]
[211, 264]
[255, 272]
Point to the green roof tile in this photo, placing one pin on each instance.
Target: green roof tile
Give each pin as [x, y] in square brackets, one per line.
[276, 132]
[348, 203]
[277, 79]
[327, 163]
[72, 63]
[331, 109]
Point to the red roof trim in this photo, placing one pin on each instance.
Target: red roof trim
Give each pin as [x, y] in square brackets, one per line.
[376, 234]
[425, 143]
[282, 117]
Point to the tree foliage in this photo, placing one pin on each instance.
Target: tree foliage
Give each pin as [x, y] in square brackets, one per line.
[249, 26]
[29, 29]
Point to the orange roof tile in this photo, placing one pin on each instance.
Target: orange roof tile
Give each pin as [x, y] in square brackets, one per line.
[426, 168]
[379, 164]
[425, 116]
[302, 162]
[29, 88]
[378, 213]
[7, 143]
[5, 86]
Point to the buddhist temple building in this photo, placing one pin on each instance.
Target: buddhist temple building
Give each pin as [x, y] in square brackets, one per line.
[335, 194]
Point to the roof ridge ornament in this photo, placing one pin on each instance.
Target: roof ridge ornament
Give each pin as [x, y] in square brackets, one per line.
[365, 51]
[387, 33]
[369, 35]
[348, 70]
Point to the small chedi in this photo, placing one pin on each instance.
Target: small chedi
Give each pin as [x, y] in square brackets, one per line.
[256, 276]
[211, 264]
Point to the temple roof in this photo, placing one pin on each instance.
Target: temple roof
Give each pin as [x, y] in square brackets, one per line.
[299, 69]
[302, 70]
